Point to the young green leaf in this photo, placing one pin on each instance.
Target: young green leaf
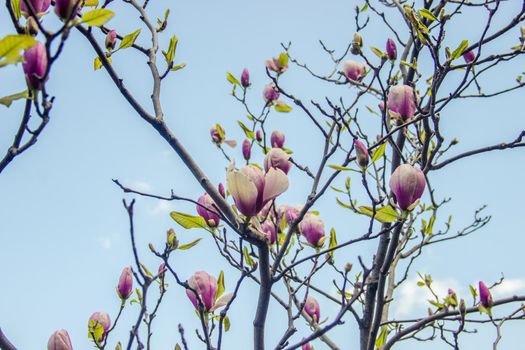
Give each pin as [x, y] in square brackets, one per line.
[249, 134]
[459, 50]
[282, 107]
[189, 245]
[8, 100]
[220, 286]
[232, 79]
[129, 39]
[378, 152]
[15, 4]
[385, 214]
[170, 54]
[428, 15]
[11, 45]
[97, 17]
[248, 258]
[178, 67]
[188, 221]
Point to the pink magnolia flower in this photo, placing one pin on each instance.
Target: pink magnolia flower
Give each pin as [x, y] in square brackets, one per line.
[246, 149]
[312, 309]
[278, 65]
[291, 213]
[391, 49]
[209, 212]
[102, 319]
[277, 139]
[270, 93]
[217, 134]
[205, 286]
[245, 78]
[251, 189]
[59, 341]
[111, 39]
[268, 228]
[221, 190]
[279, 159]
[65, 8]
[469, 56]
[125, 283]
[39, 7]
[312, 228]
[401, 101]
[408, 184]
[485, 297]
[353, 70]
[362, 156]
[306, 346]
[35, 65]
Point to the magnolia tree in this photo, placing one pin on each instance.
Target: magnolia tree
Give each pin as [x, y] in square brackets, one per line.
[378, 172]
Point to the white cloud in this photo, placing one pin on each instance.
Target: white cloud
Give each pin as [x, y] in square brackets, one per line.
[141, 186]
[106, 241]
[162, 207]
[510, 286]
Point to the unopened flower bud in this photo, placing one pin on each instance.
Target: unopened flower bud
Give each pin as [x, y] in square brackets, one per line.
[207, 209]
[462, 308]
[35, 65]
[522, 31]
[277, 139]
[65, 8]
[246, 149]
[312, 228]
[469, 56]
[99, 319]
[31, 27]
[59, 341]
[278, 64]
[217, 134]
[353, 70]
[39, 7]
[362, 156]
[312, 309]
[348, 267]
[111, 40]
[408, 184]
[307, 346]
[206, 288]
[270, 93]
[221, 190]
[452, 298]
[279, 159]
[357, 44]
[171, 239]
[258, 135]
[245, 78]
[125, 284]
[401, 102]
[454, 141]
[485, 297]
[268, 228]
[391, 49]
[162, 270]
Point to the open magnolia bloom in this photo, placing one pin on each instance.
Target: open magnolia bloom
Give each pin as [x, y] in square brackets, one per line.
[251, 189]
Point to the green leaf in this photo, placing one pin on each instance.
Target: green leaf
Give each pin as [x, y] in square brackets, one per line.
[97, 17]
[11, 45]
[378, 152]
[178, 67]
[232, 79]
[170, 54]
[248, 258]
[177, 347]
[15, 4]
[188, 221]
[97, 63]
[338, 167]
[189, 245]
[427, 14]
[381, 339]
[226, 321]
[377, 52]
[385, 214]
[8, 100]
[146, 271]
[90, 3]
[249, 134]
[220, 286]
[282, 107]
[119, 346]
[333, 241]
[282, 60]
[344, 205]
[129, 39]
[460, 49]
[95, 331]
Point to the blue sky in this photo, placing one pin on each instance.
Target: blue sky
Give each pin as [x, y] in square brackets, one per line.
[63, 230]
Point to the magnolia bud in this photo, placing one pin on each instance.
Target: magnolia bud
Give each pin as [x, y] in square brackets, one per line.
[362, 156]
[485, 298]
[245, 78]
[99, 319]
[65, 8]
[258, 135]
[111, 40]
[391, 49]
[348, 267]
[408, 184]
[31, 27]
[39, 7]
[246, 149]
[268, 228]
[401, 102]
[312, 309]
[221, 190]
[522, 38]
[353, 70]
[452, 298]
[270, 93]
[59, 341]
[205, 286]
[462, 308]
[357, 44]
[277, 139]
[207, 209]
[217, 134]
[125, 284]
[171, 240]
[312, 228]
[35, 65]
[469, 56]
[279, 159]
[307, 346]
